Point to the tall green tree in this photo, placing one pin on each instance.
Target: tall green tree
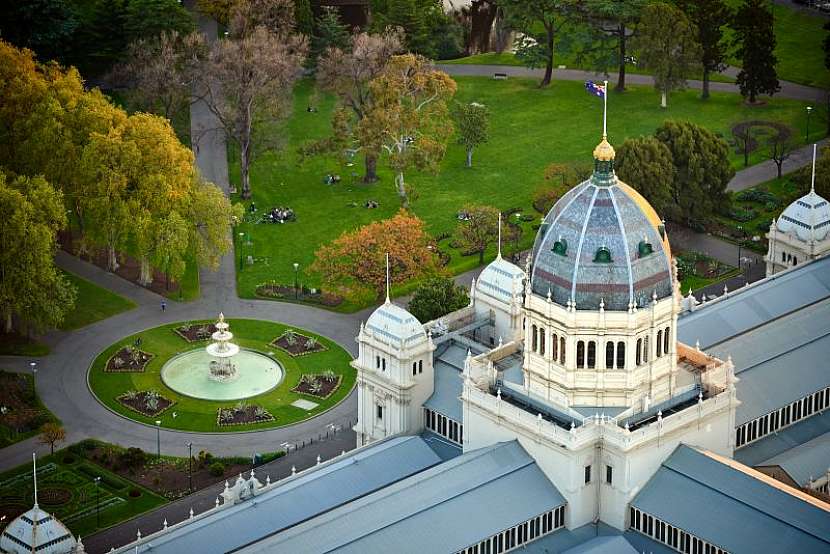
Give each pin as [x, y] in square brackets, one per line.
[34, 294]
[329, 32]
[437, 297]
[147, 19]
[755, 47]
[646, 164]
[472, 122]
[480, 230]
[711, 17]
[527, 16]
[702, 170]
[44, 26]
[667, 46]
[303, 17]
[826, 46]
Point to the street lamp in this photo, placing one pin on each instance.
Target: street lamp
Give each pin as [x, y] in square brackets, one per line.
[97, 502]
[296, 280]
[807, 136]
[241, 253]
[190, 467]
[33, 365]
[158, 438]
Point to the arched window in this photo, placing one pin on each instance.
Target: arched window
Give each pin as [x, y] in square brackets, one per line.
[542, 334]
[659, 343]
[534, 340]
[580, 354]
[414, 368]
[645, 349]
[783, 256]
[795, 260]
[638, 356]
[420, 366]
[620, 355]
[562, 350]
[666, 341]
[609, 355]
[377, 362]
[383, 364]
[554, 346]
[592, 354]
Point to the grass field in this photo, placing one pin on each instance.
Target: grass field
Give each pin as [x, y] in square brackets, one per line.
[92, 304]
[65, 476]
[530, 128]
[25, 413]
[12, 344]
[200, 415]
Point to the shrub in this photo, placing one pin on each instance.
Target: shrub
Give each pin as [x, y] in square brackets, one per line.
[217, 469]
[134, 493]
[271, 456]
[132, 458]
[742, 215]
[68, 459]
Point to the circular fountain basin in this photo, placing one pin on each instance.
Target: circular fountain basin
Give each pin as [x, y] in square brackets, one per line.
[189, 374]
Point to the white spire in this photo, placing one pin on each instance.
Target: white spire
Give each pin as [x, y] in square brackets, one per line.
[387, 278]
[34, 475]
[498, 255]
[813, 177]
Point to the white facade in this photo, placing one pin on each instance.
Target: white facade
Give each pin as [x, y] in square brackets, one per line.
[498, 293]
[801, 233]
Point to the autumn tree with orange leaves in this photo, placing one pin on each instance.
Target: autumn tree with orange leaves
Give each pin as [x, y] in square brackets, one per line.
[356, 261]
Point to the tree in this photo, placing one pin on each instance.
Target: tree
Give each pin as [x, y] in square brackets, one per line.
[52, 433]
[32, 290]
[304, 17]
[147, 19]
[44, 26]
[430, 32]
[645, 163]
[667, 46]
[781, 146]
[803, 176]
[701, 170]
[826, 47]
[247, 83]
[755, 43]
[348, 72]
[611, 27]
[479, 231]
[559, 178]
[710, 17]
[528, 15]
[357, 260]
[437, 297]
[409, 117]
[472, 122]
[330, 33]
[744, 140]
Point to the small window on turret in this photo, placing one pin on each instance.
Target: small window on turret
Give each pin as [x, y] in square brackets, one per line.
[644, 249]
[603, 256]
[560, 247]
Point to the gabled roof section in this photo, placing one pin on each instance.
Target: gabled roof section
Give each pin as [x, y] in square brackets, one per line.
[804, 462]
[734, 506]
[443, 509]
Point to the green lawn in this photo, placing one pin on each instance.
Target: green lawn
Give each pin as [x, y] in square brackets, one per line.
[25, 412]
[200, 415]
[92, 304]
[12, 344]
[531, 128]
[67, 490]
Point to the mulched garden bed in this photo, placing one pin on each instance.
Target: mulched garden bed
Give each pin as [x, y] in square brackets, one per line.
[297, 344]
[143, 403]
[195, 332]
[54, 496]
[242, 415]
[19, 412]
[319, 385]
[285, 292]
[128, 359]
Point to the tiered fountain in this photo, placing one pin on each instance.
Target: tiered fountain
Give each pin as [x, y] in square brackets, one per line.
[222, 370]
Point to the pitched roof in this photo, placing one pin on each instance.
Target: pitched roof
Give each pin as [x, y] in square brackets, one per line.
[443, 509]
[784, 439]
[733, 506]
[810, 460]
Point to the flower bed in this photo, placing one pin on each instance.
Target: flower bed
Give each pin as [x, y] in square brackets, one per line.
[147, 403]
[297, 344]
[195, 332]
[54, 496]
[285, 292]
[128, 359]
[242, 414]
[319, 385]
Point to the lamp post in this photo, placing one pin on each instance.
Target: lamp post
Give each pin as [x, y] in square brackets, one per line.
[807, 135]
[33, 365]
[296, 280]
[189, 467]
[97, 502]
[158, 439]
[241, 253]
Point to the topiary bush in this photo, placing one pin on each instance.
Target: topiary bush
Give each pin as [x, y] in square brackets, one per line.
[217, 469]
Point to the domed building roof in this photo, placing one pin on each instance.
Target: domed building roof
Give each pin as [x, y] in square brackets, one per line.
[501, 280]
[808, 217]
[38, 531]
[394, 325]
[602, 242]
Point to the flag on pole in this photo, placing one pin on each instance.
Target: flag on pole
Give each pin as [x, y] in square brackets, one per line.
[595, 89]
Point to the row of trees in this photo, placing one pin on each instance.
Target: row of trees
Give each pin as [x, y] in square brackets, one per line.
[674, 41]
[127, 181]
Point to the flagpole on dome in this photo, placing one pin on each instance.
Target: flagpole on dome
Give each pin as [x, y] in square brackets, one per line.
[498, 254]
[387, 278]
[604, 108]
[813, 177]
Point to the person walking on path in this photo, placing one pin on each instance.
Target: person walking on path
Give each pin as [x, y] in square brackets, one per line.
[163, 305]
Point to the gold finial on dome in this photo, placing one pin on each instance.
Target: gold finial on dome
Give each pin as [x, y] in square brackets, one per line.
[604, 152]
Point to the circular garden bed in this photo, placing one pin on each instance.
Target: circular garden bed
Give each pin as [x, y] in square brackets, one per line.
[143, 396]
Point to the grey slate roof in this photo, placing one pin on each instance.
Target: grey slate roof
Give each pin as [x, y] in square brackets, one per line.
[756, 305]
[442, 509]
[590, 217]
[784, 439]
[300, 498]
[731, 509]
[603, 545]
[445, 397]
[805, 461]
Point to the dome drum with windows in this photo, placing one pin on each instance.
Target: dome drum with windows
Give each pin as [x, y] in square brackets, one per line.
[602, 244]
